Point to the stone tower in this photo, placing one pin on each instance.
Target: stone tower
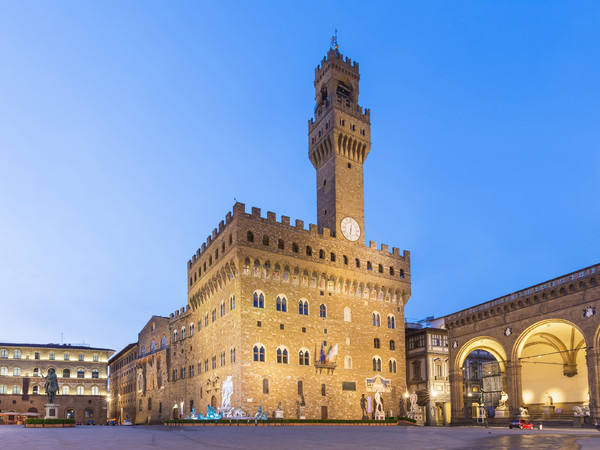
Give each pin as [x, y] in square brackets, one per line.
[339, 141]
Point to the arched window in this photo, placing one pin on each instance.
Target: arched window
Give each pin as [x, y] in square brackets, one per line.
[95, 373]
[259, 353]
[143, 351]
[376, 364]
[192, 327]
[281, 303]
[94, 390]
[163, 343]
[80, 390]
[214, 315]
[16, 389]
[295, 247]
[35, 390]
[376, 319]
[17, 354]
[140, 383]
[401, 273]
[391, 321]
[308, 250]
[65, 390]
[80, 373]
[17, 371]
[258, 300]
[347, 314]
[357, 261]
[369, 266]
[175, 336]
[3, 370]
[250, 236]
[348, 362]
[376, 343]
[66, 373]
[3, 389]
[304, 358]
[4, 354]
[182, 333]
[322, 310]
[232, 303]
[152, 347]
[392, 365]
[392, 345]
[282, 355]
[36, 372]
[265, 240]
[205, 320]
[332, 256]
[222, 309]
[303, 307]
[322, 254]
[391, 271]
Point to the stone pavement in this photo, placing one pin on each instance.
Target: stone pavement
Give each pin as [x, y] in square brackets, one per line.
[306, 437]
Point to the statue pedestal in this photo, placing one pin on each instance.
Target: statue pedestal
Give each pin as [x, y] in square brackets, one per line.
[51, 411]
[417, 416]
[548, 410]
[502, 413]
[379, 415]
[279, 414]
[302, 416]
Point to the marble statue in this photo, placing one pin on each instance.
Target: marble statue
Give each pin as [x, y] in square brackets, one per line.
[378, 403]
[413, 401]
[260, 415]
[226, 391]
[51, 385]
[523, 411]
[577, 411]
[503, 401]
[547, 399]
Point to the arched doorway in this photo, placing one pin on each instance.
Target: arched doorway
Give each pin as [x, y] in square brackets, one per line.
[89, 416]
[213, 402]
[553, 369]
[69, 414]
[478, 380]
[32, 410]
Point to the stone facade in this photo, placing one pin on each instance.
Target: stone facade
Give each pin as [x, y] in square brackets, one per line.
[266, 296]
[545, 341]
[82, 379]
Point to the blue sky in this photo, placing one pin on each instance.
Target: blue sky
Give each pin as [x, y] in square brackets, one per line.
[128, 128]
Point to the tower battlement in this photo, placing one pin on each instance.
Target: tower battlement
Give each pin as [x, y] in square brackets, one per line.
[334, 56]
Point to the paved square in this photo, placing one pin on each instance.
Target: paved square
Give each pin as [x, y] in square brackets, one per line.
[308, 437]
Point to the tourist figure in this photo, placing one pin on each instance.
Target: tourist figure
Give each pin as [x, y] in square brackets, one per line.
[51, 385]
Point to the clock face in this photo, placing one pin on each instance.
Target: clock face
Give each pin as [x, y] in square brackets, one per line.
[350, 228]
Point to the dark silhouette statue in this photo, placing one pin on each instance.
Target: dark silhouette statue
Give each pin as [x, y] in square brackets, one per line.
[51, 385]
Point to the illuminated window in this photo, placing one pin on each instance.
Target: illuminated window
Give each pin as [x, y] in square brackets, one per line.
[51, 356]
[259, 353]
[16, 389]
[17, 354]
[17, 371]
[66, 373]
[4, 354]
[322, 310]
[281, 303]
[95, 373]
[3, 370]
[67, 357]
[80, 357]
[95, 357]
[80, 373]
[65, 390]
[80, 390]
[3, 389]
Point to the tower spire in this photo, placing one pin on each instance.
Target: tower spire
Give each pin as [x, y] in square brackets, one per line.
[334, 42]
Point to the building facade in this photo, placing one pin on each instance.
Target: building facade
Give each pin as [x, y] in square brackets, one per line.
[311, 319]
[543, 341]
[427, 371]
[82, 379]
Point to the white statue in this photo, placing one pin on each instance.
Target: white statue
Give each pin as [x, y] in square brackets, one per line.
[523, 411]
[547, 399]
[577, 411]
[413, 401]
[503, 400]
[226, 391]
[378, 404]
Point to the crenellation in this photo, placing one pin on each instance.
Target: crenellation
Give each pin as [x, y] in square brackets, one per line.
[285, 220]
[203, 247]
[312, 228]
[228, 217]
[271, 216]
[299, 224]
[384, 248]
[256, 212]
[373, 244]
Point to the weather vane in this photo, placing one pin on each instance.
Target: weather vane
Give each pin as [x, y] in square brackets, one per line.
[334, 42]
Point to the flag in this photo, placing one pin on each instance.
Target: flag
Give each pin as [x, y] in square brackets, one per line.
[322, 357]
[333, 352]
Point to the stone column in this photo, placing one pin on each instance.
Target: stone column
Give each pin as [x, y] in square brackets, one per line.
[457, 411]
[592, 359]
[514, 386]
